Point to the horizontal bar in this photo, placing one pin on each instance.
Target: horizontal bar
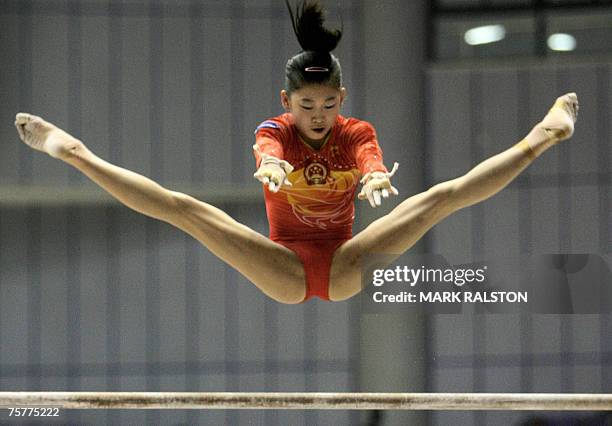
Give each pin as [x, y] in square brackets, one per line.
[318, 401]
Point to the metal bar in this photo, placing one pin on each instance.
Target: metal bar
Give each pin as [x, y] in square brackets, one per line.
[301, 401]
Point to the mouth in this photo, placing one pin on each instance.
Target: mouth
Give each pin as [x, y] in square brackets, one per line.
[319, 130]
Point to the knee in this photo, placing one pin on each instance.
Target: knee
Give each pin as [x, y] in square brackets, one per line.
[442, 192]
[179, 206]
[181, 202]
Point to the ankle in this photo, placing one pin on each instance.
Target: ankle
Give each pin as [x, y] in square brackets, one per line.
[540, 139]
[72, 152]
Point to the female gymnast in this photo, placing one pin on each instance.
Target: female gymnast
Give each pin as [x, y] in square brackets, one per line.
[310, 161]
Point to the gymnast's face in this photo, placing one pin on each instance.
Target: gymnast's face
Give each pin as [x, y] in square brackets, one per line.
[314, 108]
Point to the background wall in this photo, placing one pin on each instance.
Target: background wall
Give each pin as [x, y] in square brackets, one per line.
[96, 297]
[561, 204]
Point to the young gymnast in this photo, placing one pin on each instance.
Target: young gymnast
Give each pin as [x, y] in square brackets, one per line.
[310, 161]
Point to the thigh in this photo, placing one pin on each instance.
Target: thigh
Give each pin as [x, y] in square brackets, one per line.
[390, 235]
[273, 268]
[345, 272]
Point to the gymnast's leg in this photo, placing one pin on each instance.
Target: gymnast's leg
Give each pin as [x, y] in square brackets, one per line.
[274, 269]
[399, 230]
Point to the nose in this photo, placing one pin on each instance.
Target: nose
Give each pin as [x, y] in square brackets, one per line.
[318, 118]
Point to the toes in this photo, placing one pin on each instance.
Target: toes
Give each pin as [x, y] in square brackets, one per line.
[576, 108]
[20, 130]
[569, 102]
[22, 118]
[28, 120]
[27, 124]
[34, 123]
[570, 97]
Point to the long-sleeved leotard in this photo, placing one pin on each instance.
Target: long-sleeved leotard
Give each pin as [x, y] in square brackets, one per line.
[315, 215]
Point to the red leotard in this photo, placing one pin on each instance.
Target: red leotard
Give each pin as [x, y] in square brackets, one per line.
[314, 216]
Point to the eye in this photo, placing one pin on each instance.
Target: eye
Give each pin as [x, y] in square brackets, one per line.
[305, 107]
[330, 106]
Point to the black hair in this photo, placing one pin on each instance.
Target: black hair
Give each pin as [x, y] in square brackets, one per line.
[315, 64]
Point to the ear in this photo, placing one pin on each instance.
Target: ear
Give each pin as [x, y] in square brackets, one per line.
[284, 96]
[343, 95]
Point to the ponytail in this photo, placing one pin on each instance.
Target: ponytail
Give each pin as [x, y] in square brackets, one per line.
[309, 29]
[315, 64]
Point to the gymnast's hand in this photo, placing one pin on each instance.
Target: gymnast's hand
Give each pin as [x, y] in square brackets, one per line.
[272, 171]
[44, 136]
[377, 184]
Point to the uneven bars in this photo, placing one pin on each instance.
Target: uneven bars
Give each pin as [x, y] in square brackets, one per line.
[310, 401]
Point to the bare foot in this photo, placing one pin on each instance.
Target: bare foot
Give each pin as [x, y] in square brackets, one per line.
[559, 122]
[44, 136]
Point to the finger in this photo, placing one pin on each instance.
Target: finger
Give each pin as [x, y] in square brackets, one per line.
[265, 180]
[393, 170]
[276, 178]
[385, 193]
[361, 195]
[371, 198]
[394, 190]
[365, 178]
[376, 194]
[272, 187]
